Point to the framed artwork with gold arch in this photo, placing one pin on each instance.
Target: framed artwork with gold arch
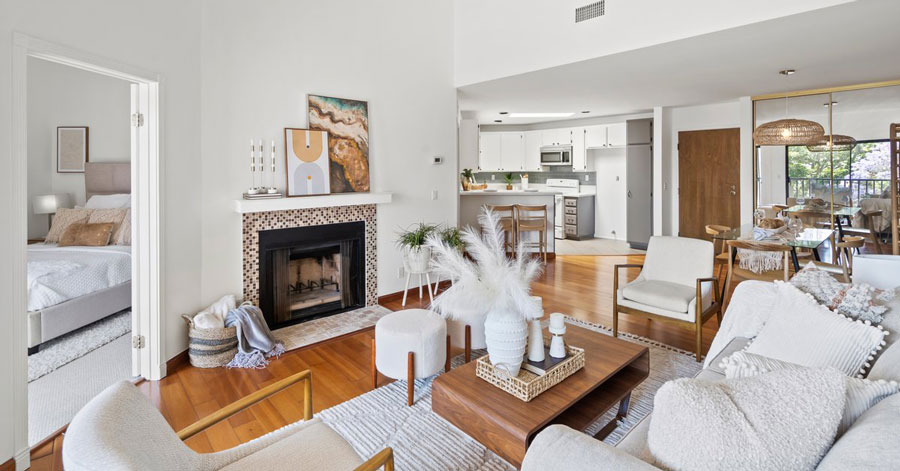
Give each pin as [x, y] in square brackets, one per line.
[306, 163]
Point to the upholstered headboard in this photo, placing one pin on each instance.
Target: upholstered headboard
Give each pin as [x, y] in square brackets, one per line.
[106, 178]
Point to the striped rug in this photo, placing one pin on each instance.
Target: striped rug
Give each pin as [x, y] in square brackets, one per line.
[424, 441]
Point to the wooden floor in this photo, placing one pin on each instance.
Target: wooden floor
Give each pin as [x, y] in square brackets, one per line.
[580, 286]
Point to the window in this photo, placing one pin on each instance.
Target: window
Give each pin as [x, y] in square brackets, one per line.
[861, 173]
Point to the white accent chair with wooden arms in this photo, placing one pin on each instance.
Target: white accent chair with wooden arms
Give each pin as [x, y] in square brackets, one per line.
[121, 430]
[677, 272]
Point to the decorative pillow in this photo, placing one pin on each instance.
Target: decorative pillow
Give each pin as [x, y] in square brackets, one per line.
[109, 201]
[858, 301]
[782, 420]
[91, 235]
[802, 331]
[115, 216]
[861, 393]
[63, 219]
[123, 235]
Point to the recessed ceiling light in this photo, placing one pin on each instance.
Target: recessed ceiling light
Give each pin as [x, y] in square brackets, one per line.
[585, 112]
[787, 72]
[504, 112]
[540, 115]
[498, 120]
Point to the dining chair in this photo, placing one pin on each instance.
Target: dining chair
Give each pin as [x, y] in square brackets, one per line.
[843, 269]
[721, 257]
[532, 219]
[869, 231]
[747, 274]
[507, 215]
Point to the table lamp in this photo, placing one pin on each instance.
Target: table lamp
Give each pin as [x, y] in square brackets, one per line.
[46, 204]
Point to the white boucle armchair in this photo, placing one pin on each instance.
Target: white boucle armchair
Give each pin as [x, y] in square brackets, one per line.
[676, 285]
[121, 430]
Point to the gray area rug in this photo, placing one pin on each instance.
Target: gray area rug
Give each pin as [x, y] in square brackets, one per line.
[78, 343]
[424, 441]
[317, 330]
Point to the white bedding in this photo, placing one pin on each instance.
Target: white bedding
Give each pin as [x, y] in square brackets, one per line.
[58, 274]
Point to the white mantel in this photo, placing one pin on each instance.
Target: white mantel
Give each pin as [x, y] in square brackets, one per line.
[305, 202]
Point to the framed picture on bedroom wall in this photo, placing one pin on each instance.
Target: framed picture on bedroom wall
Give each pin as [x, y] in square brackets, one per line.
[72, 147]
[306, 163]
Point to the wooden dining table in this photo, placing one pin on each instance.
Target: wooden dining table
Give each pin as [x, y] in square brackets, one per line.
[839, 213]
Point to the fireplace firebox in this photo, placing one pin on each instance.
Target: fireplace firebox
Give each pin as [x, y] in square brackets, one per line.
[311, 272]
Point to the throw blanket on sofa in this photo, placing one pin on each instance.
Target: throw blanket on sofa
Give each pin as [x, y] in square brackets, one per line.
[255, 341]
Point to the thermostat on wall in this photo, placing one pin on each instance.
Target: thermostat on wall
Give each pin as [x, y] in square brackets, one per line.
[437, 160]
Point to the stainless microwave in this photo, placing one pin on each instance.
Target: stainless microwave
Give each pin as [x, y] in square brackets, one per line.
[556, 155]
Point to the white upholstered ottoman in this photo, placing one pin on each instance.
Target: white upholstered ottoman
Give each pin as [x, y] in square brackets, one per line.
[410, 344]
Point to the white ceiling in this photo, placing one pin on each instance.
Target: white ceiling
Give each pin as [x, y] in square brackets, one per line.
[841, 45]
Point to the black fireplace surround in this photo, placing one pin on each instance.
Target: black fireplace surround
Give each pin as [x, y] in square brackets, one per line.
[334, 251]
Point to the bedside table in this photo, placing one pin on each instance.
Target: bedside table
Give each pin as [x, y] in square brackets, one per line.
[35, 241]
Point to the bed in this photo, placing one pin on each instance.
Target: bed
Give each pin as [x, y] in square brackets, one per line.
[70, 287]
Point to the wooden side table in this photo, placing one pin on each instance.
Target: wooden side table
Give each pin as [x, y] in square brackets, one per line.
[35, 241]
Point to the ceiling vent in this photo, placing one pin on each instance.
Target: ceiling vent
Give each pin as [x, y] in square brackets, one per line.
[588, 12]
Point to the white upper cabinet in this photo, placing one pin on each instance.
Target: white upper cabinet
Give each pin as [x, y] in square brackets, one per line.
[579, 157]
[556, 137]
[489, 152]
[512, 151]
[595, 136]
[532, 150]
[615, 135]
[468, 144]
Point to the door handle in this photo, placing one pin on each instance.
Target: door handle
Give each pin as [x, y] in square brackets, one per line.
[733, 190]
[629, 193]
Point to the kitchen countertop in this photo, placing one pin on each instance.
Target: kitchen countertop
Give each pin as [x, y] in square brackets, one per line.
[540, 191]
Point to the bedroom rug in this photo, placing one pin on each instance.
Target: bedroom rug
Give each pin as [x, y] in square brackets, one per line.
[78, 343]
[424, 441]
[55, 398]
[308, 333]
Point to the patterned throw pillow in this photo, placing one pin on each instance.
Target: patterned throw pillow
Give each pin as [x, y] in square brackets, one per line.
[115, 216]
[87, 235]
[64, 218]
[857, 301]
[123, 235]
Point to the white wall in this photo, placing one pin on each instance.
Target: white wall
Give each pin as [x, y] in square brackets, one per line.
[260, 63]
[499, 38]
[689, 118]
[610, 217]
[60, 95]
[163, 39]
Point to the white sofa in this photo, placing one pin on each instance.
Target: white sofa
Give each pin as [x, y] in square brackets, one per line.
[869, 444]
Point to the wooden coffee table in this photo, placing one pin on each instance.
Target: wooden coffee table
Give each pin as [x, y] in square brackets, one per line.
[506, 425]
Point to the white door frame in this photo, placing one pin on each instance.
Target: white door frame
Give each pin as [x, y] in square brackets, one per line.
[146, 169]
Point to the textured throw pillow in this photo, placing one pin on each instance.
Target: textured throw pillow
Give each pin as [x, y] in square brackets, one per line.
[90, 235]
[802, 331]
[123, 235]
[781, 420]
[122, 200]
[857, 301]
[861, 393]
[64, 218]
[115, 216]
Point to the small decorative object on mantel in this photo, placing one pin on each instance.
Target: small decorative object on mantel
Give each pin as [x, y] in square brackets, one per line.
[258, 166]
[306, 163]
[557, 328]
[528, 385]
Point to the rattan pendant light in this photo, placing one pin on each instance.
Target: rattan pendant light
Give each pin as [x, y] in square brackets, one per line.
[788, 131]
[840, 143]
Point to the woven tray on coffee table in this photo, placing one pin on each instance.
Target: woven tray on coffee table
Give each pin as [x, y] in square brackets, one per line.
[527, 385]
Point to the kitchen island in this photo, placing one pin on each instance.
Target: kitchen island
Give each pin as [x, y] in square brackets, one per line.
[471, 202]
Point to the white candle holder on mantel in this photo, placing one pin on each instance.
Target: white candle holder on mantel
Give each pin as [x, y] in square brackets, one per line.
[258, 165]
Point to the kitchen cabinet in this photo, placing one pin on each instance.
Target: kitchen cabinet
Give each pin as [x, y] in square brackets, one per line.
[512, 151]
[595, 137]
[615, 135]
[556, 137]
[579, 154]
[533, 150]
[489, 152]
[468, 144]
[578, 217]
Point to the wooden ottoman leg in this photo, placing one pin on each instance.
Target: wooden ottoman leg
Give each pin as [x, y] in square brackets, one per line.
[468, 343]
[374, 370]
[447, 361]
[410, 377]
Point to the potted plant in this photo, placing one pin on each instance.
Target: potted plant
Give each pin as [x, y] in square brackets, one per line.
[509, 181]
[412, 243]
[452, 236]
[468, 177]
[488, 288]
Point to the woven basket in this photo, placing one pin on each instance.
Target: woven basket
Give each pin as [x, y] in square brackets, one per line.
[527, 385]
[210, 348]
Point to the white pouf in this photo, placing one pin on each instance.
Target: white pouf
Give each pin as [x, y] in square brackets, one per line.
[417, 331]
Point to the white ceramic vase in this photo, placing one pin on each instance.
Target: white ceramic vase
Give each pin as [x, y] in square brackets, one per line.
[506, 336]
[417, 259]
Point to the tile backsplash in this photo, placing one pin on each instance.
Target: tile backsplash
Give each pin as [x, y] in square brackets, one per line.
[537, 177]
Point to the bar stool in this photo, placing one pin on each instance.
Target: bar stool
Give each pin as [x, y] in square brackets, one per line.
[532, 219]
[508, 224]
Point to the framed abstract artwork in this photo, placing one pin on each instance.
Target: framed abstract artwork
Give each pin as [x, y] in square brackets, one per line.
[306, 163]
[72, 147]
[347, 124]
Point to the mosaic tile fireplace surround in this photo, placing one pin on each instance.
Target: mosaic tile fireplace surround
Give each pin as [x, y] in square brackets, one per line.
[254, 223]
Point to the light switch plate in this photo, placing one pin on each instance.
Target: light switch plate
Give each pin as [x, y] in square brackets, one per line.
[434, 194]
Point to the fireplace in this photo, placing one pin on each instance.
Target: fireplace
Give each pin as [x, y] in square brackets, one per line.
[311, 272]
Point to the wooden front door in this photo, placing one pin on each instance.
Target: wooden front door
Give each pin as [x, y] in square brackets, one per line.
[709, 174]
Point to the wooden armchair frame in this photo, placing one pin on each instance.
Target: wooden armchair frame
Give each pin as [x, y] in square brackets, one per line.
[701, 315]
[384, 458]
